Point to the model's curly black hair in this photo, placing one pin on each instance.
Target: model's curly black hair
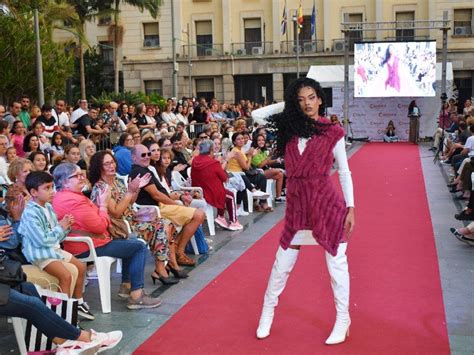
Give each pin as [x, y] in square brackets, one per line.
[293, 121]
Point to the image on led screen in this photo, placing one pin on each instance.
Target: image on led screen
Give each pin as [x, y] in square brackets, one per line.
[387, 69]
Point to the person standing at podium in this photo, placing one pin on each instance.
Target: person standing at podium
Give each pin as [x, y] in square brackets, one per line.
[414, 115]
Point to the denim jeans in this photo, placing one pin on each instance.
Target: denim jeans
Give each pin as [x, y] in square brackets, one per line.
[27, 304]
[132, 252]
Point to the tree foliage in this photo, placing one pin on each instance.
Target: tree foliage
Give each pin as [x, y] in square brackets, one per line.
[134, 98]
[17, 53]
[98, 77]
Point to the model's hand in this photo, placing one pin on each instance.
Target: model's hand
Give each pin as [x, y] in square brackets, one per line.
[349, 223]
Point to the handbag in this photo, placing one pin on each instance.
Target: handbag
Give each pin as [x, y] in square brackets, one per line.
[11, 273]
[59, 303]
[118, 228]
[201, 243]
[145, 214]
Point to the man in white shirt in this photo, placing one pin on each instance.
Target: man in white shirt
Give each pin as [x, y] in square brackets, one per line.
[3, 159]
[59, 112]
[79, 112]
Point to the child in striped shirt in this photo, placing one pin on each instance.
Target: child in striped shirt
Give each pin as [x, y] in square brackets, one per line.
[42, 234]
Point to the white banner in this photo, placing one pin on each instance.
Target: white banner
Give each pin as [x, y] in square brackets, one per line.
[369, 116]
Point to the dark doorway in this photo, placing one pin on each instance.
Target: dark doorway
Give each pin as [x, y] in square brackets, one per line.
[249, 87]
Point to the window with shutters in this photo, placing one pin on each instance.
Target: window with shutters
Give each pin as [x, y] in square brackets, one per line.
[153, 87]
[104, 20]
[253, 35]
[463, 24]
[107, 52]
[151, 35]
[355, 36]
[205, 88]
[405, 24]
[204, 38]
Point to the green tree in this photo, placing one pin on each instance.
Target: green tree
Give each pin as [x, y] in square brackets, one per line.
[17, 50]
[95, 79]
[116, 31]
[87, 10]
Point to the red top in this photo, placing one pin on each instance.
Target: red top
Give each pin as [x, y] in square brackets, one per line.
[207, 173]
[87, 217]
[312, 200]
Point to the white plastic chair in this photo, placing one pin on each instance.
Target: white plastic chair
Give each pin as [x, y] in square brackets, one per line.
[19, 327]
[179, 183]
[102, 265]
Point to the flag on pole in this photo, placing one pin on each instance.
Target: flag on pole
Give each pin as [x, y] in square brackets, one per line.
[284, 20]
[300, 18]
[313, 20]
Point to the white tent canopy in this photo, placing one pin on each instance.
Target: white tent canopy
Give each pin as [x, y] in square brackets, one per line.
[369, 116]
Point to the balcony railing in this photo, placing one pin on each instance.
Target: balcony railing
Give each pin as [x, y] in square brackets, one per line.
[305, 46]
[252, 48]
[203, 50]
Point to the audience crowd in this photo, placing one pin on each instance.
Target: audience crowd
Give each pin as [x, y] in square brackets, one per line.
[134, 179]
[453, 142]
[138, 179]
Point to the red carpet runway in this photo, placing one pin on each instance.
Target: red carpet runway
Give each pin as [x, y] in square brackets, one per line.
[396, 299]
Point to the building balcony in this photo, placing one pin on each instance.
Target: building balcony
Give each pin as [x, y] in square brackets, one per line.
[202, 50]
[305, 47]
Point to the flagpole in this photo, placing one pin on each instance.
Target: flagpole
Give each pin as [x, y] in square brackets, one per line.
[297, 47]
[287, 29]
[315, 29]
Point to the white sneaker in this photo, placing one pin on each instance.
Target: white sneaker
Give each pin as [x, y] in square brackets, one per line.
[76, 347]
[235, 226]
[92, 274]
[257, 194]
[106, 341]
[242, 213]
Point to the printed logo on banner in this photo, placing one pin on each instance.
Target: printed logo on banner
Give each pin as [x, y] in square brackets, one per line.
[387, 114]
[377, 106]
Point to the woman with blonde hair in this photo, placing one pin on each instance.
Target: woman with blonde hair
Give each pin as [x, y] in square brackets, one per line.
[87, 150]
[17, 173]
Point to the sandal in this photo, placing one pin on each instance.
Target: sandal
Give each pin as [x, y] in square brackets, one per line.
[268, 209]
[184, 260]
[259, 208]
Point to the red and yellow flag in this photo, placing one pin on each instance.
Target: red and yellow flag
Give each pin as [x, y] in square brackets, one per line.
[300, 18]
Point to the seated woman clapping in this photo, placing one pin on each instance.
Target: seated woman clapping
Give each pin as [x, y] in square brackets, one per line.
[208, 174]
[240, 163]
[155, 232]
[93, 221]
[263, 160]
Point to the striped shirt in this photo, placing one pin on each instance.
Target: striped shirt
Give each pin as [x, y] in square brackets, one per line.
[40, 234]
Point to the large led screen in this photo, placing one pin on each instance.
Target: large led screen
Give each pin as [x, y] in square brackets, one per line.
[387, 69]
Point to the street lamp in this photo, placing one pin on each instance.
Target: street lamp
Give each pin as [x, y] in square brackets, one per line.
[190, 65]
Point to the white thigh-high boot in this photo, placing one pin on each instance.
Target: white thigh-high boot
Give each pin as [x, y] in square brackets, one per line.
[339, 272]
[284, 262]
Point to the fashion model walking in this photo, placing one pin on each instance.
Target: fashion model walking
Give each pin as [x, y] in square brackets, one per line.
[316, 214]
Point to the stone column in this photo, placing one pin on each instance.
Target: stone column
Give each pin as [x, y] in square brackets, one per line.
[379, 18]
[228, 88]
[226, 24]
[278, 87]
